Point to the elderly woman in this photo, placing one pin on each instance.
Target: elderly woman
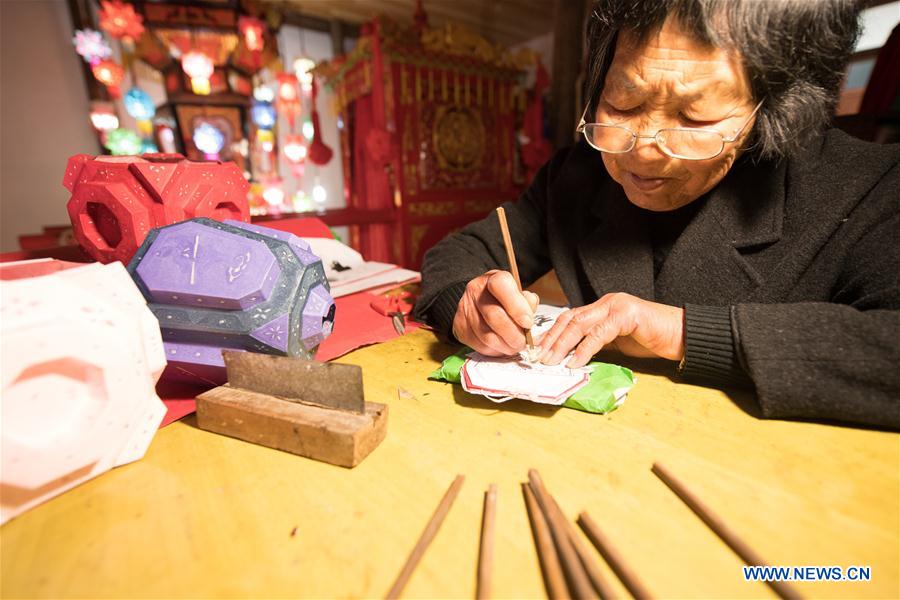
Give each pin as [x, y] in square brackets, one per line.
[706, 217]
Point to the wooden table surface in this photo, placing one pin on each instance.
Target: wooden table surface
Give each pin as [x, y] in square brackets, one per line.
[204, 515]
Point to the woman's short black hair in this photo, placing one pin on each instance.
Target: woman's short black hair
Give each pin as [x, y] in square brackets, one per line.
[794, 53]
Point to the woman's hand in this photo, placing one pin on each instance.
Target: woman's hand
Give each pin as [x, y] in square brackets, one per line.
[492, 315]
[633, 326]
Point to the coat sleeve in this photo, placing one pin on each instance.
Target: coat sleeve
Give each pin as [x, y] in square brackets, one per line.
[478, 248]
[838, 360]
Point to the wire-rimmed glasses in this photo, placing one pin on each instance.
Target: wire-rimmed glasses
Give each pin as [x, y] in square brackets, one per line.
[677, 142]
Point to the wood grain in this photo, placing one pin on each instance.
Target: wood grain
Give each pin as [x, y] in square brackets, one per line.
[554, 578]
[205, 515]
[434, 524]
[722, 529]
[486, 550]
[333, 436]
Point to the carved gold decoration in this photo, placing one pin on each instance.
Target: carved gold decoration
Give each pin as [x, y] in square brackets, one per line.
[416, 233]
[433, 208]
[418, 84]
[462, 41]
[458, 138]
[480, 206]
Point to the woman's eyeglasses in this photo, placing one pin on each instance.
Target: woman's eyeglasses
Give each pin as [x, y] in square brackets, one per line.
[677, 142]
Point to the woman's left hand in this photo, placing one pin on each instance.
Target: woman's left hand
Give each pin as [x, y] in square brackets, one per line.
[633, 326]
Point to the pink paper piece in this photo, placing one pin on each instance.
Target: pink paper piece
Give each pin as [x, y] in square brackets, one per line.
[507, 377]
[81, 355]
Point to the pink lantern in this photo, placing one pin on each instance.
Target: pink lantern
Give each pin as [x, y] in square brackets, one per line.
[295, 149]
[199, 67]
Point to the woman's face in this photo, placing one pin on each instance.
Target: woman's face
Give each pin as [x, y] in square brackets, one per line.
[672, 80]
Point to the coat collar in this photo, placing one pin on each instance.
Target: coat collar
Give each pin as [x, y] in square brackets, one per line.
[745, 210]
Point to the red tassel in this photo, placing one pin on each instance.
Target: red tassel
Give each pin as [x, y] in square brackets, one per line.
[319, 153]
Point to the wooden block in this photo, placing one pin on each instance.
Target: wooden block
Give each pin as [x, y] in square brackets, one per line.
[332, 436]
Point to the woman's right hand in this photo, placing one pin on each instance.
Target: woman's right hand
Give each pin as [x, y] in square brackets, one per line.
[493, 314]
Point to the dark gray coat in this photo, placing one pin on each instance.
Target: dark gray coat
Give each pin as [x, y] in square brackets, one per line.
[803, 257]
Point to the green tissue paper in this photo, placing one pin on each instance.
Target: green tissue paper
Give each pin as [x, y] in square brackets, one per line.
[604, 392]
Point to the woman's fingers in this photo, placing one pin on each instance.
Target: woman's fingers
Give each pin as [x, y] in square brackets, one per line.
[498, 321]
[493, 313]
[578, 325]
[502, 286]
[547, 341]
[597, 337]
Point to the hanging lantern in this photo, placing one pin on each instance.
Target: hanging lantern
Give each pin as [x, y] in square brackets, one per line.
[123, 142]
[273, 195]
[288, 96]
[302, 69]
[91, 46]
[139, 104]
[263, 94]
[209, 140]
[103, 118]
[266, 139]
[110, 74]
[263, 114]
[319, 195]
[295, 149]
[307, 129]
[287, 89]
[252, 30]
[199, 67]
[119, 20]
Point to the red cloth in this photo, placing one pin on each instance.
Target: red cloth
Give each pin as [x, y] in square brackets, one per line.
[301, 227]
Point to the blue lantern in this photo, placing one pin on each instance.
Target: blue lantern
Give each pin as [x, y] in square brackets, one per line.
[148, 147]
[139, 105]
[208, 138]
[263, 114]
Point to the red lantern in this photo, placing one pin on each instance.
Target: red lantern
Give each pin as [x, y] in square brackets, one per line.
[288, 96]
[110, 74]
[252, 30]
[120, 21]
[287, 88]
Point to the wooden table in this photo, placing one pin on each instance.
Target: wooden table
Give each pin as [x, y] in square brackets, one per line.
[204, 515]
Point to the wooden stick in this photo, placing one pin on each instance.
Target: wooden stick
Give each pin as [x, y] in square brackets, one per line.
[511, 256]
[427, 535]
[554, 579]
[587, 560]
[725, 533]
[626, 575]
[486, 553]
[580, 585]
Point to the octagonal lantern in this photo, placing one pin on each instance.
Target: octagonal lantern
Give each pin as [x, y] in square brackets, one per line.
[81, 357]
[116, 200]
[231, 285]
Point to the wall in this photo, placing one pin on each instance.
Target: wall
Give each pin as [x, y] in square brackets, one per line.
[43, 115]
